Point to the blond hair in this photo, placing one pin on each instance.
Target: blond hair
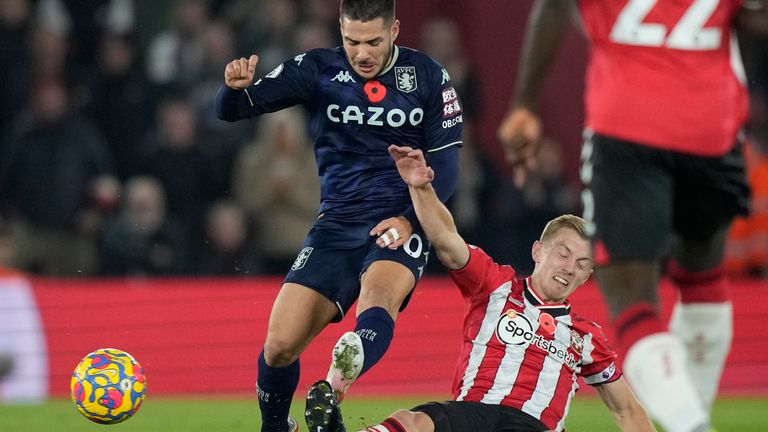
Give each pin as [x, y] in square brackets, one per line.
[565, 221]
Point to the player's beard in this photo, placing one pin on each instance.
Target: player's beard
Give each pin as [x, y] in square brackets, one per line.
[383, 65]
[388, 58]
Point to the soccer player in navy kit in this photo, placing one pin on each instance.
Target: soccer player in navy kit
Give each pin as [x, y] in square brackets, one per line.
[361, 97]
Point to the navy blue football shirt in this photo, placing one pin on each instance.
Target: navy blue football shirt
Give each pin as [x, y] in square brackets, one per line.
[353, 121]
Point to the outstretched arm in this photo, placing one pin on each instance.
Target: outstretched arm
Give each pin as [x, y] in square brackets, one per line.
[433, 216]
[446, 163]
[520, 130]
[624, 406]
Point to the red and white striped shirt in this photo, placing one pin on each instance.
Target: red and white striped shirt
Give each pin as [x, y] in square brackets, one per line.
[520, 352]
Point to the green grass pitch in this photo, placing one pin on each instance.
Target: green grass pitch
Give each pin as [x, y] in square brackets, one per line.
[241, 414]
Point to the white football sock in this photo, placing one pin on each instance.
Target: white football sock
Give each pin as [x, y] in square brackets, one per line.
[706, 330]
[655, 367]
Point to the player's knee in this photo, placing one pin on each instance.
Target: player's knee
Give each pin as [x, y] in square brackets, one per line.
[280, 352]
[414, 421]
[702, 253]
[379, 296]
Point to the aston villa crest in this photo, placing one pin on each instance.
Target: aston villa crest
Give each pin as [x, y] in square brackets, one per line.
[302, 258]
[405, 78]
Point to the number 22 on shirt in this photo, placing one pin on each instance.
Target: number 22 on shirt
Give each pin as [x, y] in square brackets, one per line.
[689, 33]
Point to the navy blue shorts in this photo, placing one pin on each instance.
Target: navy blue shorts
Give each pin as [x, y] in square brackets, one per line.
[336, 253]
[637, 197]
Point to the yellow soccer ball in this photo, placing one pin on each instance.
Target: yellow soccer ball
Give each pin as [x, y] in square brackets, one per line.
[108, 386]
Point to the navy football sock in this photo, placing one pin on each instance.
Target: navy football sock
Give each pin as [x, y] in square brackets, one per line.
[375, 327]
[275, 387]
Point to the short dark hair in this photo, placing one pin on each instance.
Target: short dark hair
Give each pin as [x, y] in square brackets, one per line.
[368, 10]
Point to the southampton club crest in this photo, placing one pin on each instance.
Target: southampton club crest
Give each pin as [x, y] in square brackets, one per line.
[577, 342]
[405, 78]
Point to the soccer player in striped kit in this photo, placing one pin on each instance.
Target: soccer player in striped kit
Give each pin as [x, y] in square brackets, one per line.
[361, 97]
[663, 176]
[523, 346]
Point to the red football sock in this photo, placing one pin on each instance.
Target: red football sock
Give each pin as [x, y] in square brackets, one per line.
[709, 286]
[635, 323]
[388, 425]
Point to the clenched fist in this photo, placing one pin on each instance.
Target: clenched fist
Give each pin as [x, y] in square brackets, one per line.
[239, 73]
[520, 133]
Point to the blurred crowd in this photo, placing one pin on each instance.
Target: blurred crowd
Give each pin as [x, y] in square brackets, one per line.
[112, 161]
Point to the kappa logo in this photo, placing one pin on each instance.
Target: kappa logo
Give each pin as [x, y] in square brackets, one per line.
[405, 78]
[446, 77]
[301, 260]
[275, 72]
[343, 76]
